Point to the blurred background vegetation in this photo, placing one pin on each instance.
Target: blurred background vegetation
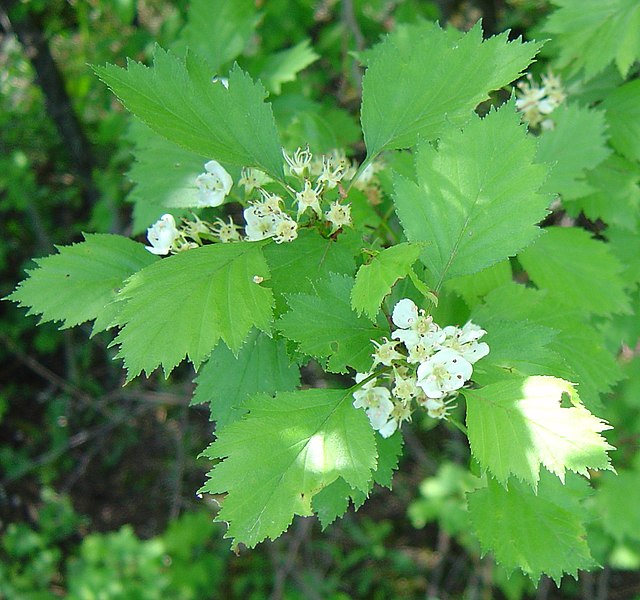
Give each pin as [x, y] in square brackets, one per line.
[97, 481]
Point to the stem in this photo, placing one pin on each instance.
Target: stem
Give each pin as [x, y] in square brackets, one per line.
[367, 161]
[457, 424]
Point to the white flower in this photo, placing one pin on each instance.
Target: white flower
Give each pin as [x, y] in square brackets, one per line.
[375, 400]
[415, 328]
[299, 163]
[226, 232]
[162, 234]
[438, 408]
[401, 412]
[333, 170]
[213, 185]
[385, 353]
[259, 226]
[465, 341]
[537, 102]
[405, 314]
[309, 198]
[405, 388]
[286, 230]
[252, 178]
[444, 372]
[338, 215]
[266, 219]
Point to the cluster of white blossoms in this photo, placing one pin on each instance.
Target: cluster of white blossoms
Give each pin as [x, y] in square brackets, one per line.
[267, 214]
[537, 102]
[166, 237]
[426, 366]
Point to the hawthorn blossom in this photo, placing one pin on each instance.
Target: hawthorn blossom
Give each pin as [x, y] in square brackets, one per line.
[226, 231]
[465, 341]
[415, 328]
[385, 353]
[444, 372]
[162, 235]
[537, 102]
[299, 163]
[375, 400]
[339, 215]
[401, 412]
[213, 185]
[251, 179]
[266, 219]
[309, 198]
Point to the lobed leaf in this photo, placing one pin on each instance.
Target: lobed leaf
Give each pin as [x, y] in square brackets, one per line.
[182, 305]
[375, 280]
[179, 101]
[623, 117]
[579, 344]
[234, 23]
[225, 381]
[282, 67]
[592, 34]
[475, 198]
[290, 447]
[78, 283]
[514, 426]
[296, 268]
[421, 79]
[541, 533]
[577, 271]
[575, 145]
[324, 326]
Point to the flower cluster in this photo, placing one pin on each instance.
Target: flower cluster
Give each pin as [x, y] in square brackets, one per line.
[318, 200]
[266, 218]
[537, 102]
[426, 366]
[166, 237]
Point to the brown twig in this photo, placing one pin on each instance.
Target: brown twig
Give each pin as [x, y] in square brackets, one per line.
[283, 571]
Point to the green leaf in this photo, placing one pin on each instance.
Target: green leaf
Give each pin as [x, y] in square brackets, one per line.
[164, 175]
[182, 305]
[617, 501]
[625, 246]
[577, 271]
[475, 200]
[623, 116]
[389, 452]
[324, 326]
[591, 34]
[519, 348]
[540, 533]
[405, 99]
[283, 66]
[225, 381]
[297, 267]
[577, 342]
[576, 144]
[472, 288]
[615, 195]
[180, 102]
[516, 425]
[219, 32]
[375, 280]
[77, 284]
[333, 501]
[288, 448]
